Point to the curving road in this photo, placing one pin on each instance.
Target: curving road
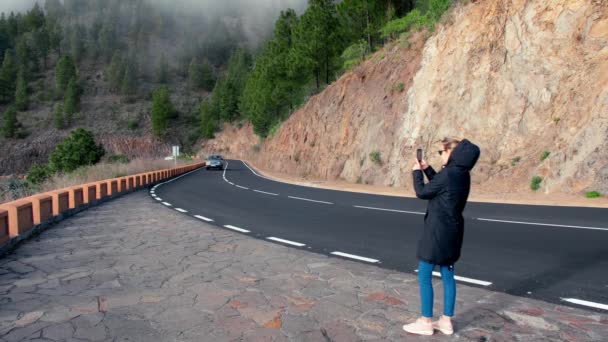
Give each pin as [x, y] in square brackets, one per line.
[556, 254]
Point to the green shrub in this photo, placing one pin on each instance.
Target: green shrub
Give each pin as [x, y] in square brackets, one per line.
[593, 194]
[413, 20]
[399, 87]
[354, 54]
[274, 129]
[426, 13]
[118, 158]
[39, 173]
[376, 157]
[545, 155]
[133, 125]
[78, 149]
[535, 182]
[185, 157]
[515, 160]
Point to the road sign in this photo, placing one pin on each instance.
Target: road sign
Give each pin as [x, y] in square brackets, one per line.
[175, 153]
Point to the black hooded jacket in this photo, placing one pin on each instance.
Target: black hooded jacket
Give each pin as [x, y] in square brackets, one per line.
[447, 193]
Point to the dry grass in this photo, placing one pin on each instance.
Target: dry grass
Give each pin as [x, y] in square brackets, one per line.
[104, 170]
[14, 189]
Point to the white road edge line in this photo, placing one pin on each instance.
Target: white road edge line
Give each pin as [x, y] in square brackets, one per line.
[464, 279]
[203, 218]
[356, 257]
[167, 204]
[293, 243]
[255, 173]
[267, 193]
[181, 210]
[392, 210]
[230, 183]
[585, 303]
[242, 187]
[543, 224]
[237, 229]
[309, 200]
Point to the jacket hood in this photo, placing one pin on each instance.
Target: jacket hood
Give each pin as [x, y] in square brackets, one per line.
[465, 155]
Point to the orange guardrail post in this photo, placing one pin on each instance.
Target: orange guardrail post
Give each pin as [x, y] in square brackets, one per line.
[61, 201]
[102, 189]
[112, 187]
[89, 193]
[76, 198]
[20, 217]
[42, 208]
[4, 234]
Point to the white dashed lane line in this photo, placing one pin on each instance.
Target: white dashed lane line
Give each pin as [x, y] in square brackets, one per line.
[391, 210]
[158, 199]
[308, 200]
[237, 229]
[181, 210]
[585, 303]
[464, 279]
[542, 224]
[267, 193]
[293, 243]
[356, 257]
[203, 218]
[167, 204]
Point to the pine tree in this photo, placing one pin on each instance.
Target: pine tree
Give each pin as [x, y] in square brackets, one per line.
[201, 75]
[24, 57]
[21, 96]
[129, 80]
[53, 8]
[65, 71]
[58, 118]
[317, 39]
[162, 75]
[162, 110]
[9, 127]
[77, 42]
[208, 120]
[107, 40]
[8, 76]
[43, 43]
[4, 36]
[34, 19]
[116, 71]
[72, 101]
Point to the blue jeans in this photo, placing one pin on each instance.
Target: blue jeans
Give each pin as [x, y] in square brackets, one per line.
[425, 274]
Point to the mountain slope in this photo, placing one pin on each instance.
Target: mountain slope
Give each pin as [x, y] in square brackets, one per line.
[525, 79]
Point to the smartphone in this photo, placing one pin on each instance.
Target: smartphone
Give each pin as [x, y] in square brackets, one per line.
[419, 155]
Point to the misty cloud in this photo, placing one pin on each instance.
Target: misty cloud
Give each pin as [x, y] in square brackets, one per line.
[256, 17]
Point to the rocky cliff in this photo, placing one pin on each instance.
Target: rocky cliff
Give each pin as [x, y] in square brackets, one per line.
[527, 80]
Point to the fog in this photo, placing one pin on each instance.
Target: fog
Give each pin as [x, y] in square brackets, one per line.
[206, 7]
[8, 6]
[257, 16]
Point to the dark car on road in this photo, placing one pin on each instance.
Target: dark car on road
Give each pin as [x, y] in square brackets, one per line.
[215, 161]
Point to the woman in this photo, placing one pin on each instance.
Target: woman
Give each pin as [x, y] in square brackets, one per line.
[447, 193]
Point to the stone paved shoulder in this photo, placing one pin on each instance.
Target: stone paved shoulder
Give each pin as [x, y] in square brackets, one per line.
[132, 270]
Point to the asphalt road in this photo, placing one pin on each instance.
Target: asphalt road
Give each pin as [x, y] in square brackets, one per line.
[556, 254]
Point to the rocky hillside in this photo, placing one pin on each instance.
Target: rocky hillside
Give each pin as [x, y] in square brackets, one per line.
[527, 80]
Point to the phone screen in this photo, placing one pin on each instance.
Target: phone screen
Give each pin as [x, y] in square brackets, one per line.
[419, 154]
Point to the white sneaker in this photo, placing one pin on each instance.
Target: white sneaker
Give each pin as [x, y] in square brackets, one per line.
[420, 327]
[444, 326]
